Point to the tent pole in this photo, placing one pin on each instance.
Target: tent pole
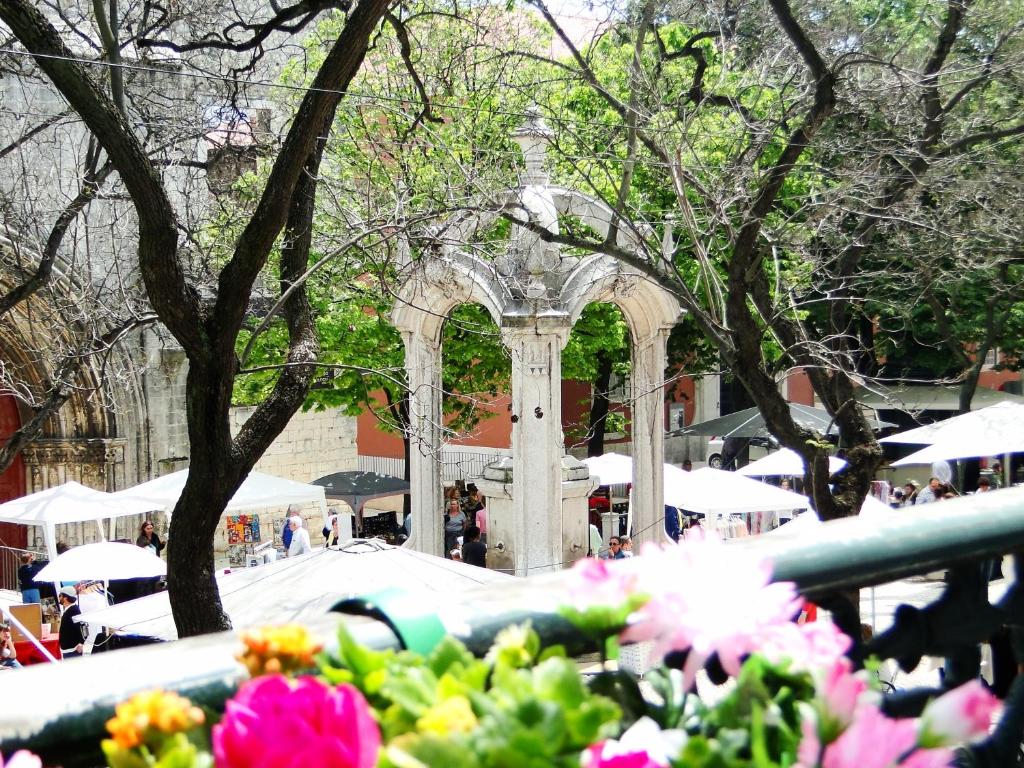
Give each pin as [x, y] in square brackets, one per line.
[50, 534]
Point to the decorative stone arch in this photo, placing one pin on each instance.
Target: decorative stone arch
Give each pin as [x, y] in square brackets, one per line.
[83, 440]
[650, 312]
[535, 294]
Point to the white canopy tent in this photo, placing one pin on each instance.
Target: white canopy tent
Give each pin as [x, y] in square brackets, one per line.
[69, 503]
[302, 587]
[992, 431]
[257, 491]
[784, 462]
[717, 492]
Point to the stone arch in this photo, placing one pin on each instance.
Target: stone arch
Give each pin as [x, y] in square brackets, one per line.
[82, 440]
[647, 307]
[438, 285]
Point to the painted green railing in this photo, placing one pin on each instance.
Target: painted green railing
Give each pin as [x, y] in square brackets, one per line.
[60, 709]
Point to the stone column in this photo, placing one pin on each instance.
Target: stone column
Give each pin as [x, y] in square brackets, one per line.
[423, 366]
[537, 443]
[648, 429]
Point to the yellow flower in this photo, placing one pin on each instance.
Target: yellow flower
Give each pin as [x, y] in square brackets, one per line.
[152, 713]
[286, 649]
[452, 715]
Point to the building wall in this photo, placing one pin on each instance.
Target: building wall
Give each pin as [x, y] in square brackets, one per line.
[314, 444]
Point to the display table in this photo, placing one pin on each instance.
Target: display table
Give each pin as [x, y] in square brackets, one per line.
[29, 654]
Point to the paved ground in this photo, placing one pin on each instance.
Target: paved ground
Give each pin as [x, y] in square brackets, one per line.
[878, 605]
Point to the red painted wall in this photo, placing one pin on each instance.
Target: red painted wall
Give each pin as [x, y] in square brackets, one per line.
[12, 481]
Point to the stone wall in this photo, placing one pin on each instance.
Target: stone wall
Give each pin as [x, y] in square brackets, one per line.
[314, 444]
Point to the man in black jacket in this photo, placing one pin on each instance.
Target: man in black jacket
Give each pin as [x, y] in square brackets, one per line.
[473, 551]
[71, 635]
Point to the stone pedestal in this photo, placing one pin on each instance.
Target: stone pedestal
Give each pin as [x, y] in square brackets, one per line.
[525, 542]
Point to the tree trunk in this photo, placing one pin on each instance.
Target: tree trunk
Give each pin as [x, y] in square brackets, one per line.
[599, 405]
[212, 481]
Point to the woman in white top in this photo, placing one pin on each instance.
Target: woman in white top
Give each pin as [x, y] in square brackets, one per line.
[300, 537]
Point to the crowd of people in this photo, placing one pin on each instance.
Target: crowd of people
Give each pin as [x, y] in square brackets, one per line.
[911, 493]
[465, 524]
[72, 636]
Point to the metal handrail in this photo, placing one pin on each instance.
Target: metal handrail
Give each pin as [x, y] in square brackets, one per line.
[61, 708]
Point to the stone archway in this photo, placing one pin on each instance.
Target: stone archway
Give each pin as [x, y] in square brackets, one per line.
[82, 439]
[535, 294]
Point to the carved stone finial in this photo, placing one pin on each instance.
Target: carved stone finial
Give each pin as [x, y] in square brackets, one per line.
[533, 137]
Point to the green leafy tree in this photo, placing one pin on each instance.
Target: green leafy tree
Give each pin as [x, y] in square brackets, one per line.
[784, 141]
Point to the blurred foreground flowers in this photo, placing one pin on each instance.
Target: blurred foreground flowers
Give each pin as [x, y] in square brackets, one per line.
[790, 698]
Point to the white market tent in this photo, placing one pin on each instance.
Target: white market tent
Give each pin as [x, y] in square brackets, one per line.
[717, 492]
[259, 490]
[784, 462]
[992, 431]
[709, 491]
[611, 468]
[69, 503]
[103, 561]
[300, 588]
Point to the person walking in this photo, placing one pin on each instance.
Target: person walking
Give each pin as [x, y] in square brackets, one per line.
[71, 634]
[300, 538]
[454, 526]
[473, 551]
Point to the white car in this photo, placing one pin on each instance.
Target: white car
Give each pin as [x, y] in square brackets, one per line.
[759, 448]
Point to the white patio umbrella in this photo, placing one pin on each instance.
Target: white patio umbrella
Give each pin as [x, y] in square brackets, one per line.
[103, 561]
[784, 462]
[992, 431]
[611, 468]
[967, 449]
[996, 426]
[715, 491]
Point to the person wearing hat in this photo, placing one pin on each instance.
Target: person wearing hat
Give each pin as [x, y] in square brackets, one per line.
[71, 634]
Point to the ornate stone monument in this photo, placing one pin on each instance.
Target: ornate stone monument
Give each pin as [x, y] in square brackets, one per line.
[535, 293]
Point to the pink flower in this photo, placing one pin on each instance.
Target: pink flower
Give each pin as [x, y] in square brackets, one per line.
[808, 646]
[843, 693]
[708, 598]
[21, 759]
[599, 583]
[644, 745]
[276, 723]
[929, 758]
[871, 741]
[961, 715]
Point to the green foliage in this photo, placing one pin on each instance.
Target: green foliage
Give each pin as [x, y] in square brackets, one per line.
[178, 750]
[515, 708]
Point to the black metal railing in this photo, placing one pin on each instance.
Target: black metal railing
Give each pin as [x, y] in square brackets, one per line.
[60, 709]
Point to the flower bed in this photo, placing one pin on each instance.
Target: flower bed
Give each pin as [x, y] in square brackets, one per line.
[787, 696]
